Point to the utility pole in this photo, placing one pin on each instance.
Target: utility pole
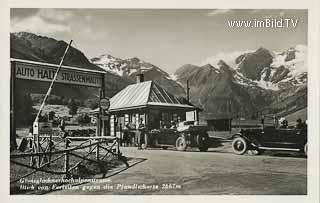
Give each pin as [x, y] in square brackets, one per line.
[188, 89]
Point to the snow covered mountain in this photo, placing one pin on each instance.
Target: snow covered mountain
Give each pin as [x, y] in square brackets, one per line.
[247, 81]
[228, 84]
[110, 63]
[124, 67]
[224, 85]
[266, 69]
[128, 68]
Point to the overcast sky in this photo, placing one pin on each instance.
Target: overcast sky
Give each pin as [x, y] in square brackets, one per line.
[165, 38]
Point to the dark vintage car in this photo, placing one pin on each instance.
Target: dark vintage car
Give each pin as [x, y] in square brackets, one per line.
[270, 138]
[185, 135]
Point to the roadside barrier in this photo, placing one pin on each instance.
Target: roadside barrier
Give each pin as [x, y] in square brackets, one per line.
[44, 150]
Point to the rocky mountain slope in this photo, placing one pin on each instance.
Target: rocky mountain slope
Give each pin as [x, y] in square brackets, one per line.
[244, 83]
[238, 84]
[28, 46]
[129, 68]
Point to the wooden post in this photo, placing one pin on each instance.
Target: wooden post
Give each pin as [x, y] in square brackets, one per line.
[118, 147]
[97, 152]
[98, 124]
[33, 150]
[50, 149]
[101, 95]
[38, 150]
[13, 142]
[66, 160]
[102, 112]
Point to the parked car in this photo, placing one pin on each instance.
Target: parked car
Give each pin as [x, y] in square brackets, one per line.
[270, 138]
[187, 134]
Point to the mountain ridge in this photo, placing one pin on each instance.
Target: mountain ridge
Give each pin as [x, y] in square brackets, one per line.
[252, 81]
[226, 86]
[29, 46]
[129, 68]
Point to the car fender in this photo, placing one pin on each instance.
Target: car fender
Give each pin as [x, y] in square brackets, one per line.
[238, 135]
[199, 140]
[249, 141]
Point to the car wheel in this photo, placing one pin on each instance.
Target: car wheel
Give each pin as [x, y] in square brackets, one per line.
[305, 149]
[164, 148]
[202, 142]
[239, 145]
[181, 144]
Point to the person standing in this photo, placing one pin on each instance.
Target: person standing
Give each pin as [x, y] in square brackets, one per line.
[173, 125]
[140, 132]
[283, 122]
[299, 124]
[62, 126]
[126, 135]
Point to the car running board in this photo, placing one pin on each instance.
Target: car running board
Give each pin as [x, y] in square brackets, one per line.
[281, 149]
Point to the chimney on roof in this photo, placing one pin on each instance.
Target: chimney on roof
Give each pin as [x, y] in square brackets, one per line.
[140, 78]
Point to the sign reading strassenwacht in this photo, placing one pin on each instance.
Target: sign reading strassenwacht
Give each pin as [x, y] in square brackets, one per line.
[35, 71]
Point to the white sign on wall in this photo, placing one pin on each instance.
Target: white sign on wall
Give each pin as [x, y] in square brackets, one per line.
[191, 116]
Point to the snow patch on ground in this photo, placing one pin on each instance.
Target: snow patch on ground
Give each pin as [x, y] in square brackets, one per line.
[110, 64]
[267, 85]
[240, 79]
[173, 77]
[297, 66]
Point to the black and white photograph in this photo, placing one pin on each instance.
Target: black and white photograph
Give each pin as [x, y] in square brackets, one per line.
[159, 101]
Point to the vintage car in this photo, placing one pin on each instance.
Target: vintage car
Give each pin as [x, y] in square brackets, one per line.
[187, 134]
[270, 138]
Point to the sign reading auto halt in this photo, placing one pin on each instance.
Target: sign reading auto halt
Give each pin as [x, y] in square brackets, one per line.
[67, 75]
[52, 73]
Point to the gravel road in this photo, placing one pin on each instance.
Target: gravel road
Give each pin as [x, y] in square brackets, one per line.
[215, 172]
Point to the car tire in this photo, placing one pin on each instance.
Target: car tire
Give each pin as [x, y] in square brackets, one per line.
[305, 149]
[202, 142]
[181, 144]
[164, 148]
[239, 145]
